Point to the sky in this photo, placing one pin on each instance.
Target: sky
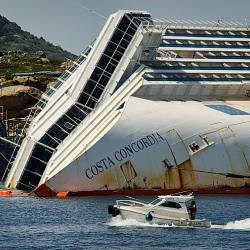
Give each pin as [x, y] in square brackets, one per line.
[73, 24]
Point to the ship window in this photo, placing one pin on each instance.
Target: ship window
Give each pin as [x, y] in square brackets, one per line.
[41, 153]
[76, 114]
[103, 61]
[120, 49]
[131, 31]
[170, 204]
[121, 106]
[117, 53]
[62, 121]
[86, 110]
[124, 23]
[114, 62]
[227, 109]
[110, 49]
[91, 103]
[50, 141]
[110, 68]
[117, 56]
[127, 37]
[194, 147]
[89, 87]
[54, 131]
[117, 36]
[124, 43]
[83, 98]
[68, 125]
[96, 74]
[104, 80]
[97, 93]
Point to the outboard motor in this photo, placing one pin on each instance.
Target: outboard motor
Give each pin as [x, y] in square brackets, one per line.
[114, 211]
[192, 210]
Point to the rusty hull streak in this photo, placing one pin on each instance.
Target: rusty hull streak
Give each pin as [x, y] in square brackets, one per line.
[224, 134]
[187, 175]
[240, 147]
[172, 179]
[180, 177]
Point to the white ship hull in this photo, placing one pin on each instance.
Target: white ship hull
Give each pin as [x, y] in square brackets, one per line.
[147, 151]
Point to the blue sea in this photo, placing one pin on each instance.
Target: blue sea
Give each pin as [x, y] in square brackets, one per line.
[83, 223]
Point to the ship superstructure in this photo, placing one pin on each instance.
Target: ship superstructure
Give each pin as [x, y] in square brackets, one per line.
[152, 104]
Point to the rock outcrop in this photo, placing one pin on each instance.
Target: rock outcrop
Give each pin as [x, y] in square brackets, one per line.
[18, 99]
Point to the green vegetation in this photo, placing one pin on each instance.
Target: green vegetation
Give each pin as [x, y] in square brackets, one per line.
[17, 61]
[21, 52]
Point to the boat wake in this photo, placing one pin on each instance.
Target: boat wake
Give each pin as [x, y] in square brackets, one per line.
[235, 225]
[232, 225]
[119, 222]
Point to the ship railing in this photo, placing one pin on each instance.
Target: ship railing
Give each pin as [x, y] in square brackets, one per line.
[17, 145]
[71, 69]
[39, 106]
[201, 24]
[61, 80]
[161, 24]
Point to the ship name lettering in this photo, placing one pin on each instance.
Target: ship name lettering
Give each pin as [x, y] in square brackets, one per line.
[98, 168]
[123, 153]
[133, 146]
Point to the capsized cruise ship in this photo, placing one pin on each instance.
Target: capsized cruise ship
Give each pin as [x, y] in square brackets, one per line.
[151, 106]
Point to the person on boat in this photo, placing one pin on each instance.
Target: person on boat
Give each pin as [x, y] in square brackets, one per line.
[193, 210]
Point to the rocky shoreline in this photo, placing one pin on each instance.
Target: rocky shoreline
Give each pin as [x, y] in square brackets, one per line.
[23, 79]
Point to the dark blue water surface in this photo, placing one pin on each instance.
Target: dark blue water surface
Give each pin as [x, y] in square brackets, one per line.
[83, 223]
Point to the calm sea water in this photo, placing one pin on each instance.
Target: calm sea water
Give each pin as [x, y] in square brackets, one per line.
[83, 223]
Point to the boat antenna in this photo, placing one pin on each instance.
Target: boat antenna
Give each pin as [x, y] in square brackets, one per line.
[130, 197]
[183, 192]
[90, 10]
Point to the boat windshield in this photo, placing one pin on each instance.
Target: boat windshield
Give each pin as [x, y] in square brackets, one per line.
[170, 204]
[156, 201]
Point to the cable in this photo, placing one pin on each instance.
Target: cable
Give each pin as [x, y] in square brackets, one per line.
[90, 10]
[4, 157]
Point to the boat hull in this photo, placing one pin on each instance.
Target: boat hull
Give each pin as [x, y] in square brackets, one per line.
[156, 219]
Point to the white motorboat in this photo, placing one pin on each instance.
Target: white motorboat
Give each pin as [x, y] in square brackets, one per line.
[177, 210]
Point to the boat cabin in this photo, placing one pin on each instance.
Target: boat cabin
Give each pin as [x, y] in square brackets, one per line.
[182, 202]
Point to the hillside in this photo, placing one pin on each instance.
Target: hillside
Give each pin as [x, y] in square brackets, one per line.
[12, 38]
[20, 53]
